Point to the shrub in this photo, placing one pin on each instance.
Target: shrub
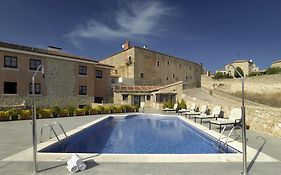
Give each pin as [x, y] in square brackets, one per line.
[4, 116]
[273, 70]
[87, 110]
[55, 110]
[236, 75]
[118, 109]
[63, 113]
[99, 109]
[169, 104]
[71, 110]
[80, 112]
[165, 104]
[252, 74]
[45, 113]
[93, 111]
[112, 108]
[106, 110]
[25, 114]
[127, 108]
[14, 113]
[220, 75]
[182, 104]
[136, 108]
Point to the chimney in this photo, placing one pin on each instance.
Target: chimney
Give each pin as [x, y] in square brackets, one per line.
[54, 49]
[126, 45]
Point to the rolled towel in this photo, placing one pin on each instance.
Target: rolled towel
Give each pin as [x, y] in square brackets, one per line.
[82, 167]
[76, 160]
[71, 167]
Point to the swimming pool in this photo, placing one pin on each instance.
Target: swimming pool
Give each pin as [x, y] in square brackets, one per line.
[140, 134]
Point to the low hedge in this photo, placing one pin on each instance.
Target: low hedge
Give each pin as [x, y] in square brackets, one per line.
[15, 114]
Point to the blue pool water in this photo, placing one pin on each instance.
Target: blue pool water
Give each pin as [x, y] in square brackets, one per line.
[140, 134]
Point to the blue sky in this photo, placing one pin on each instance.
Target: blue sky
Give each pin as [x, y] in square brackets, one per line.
[212, 32]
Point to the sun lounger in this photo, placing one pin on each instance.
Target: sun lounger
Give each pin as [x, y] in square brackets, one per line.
[203, 110]
[234, 119]
[215, 114]
[192, 108]
[171, 109]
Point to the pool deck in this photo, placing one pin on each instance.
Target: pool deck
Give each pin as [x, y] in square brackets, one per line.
[16, 136]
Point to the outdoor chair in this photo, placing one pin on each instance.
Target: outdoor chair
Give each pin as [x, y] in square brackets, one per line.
[203, 110]
[192, 108]
[171, 109]
[234, 119]
[215, 114]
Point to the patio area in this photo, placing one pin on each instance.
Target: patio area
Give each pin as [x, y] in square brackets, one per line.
[16, 136]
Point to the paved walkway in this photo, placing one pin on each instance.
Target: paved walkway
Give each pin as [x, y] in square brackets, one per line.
[15, 136]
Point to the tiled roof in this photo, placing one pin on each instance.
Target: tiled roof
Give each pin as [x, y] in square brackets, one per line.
[136, 88]
[143, 88]
[48, 52]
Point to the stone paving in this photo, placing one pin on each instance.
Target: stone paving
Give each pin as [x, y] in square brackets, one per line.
[15, 136]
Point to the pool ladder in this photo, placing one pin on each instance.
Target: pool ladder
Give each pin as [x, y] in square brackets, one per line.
[233, 129]
[52, 130]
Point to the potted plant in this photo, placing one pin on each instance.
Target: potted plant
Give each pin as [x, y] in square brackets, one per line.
[4, 116]
[25, 114]
[14, 113]
[55, 110]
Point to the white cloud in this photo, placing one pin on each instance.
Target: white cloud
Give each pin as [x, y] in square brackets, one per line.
[131, 20]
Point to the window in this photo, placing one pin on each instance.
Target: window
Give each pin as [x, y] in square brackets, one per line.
[116, 71]
[141, 75]
[186, 77]
[82, 70]
[173, 75]
[33, 64]
[179, 65]
[82, 90]
[168, 63]
[167, 78]
[98, 99]
[98, 74]
[37, 88]
[148, 97]
[10, 87]
[10, 62]
[130, 60]
[125, 97]
[158, 63]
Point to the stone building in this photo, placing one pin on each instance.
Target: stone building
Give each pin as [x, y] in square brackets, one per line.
[143, 67]
[247, 66]
[276, 63]
[149, 96]
[69, 79]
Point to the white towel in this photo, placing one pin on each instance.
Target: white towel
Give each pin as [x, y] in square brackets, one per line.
[76, 160]
[71, 167]
[82, 167]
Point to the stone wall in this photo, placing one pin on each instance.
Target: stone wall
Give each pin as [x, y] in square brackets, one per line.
[256, 84]
[276, 64]
[259, 117]
[169, 70]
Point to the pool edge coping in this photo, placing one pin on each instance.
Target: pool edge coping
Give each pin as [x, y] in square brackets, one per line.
[26, 155]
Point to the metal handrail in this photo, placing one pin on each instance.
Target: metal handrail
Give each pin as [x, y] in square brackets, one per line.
[51, 129]
[231, 131]
[58, 123]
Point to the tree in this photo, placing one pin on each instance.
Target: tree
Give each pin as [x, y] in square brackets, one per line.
[182, 104]
[238, 69]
